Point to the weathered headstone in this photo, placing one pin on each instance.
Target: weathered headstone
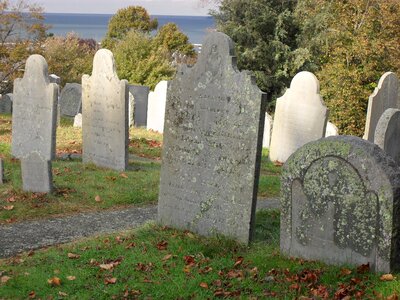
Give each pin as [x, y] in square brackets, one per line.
[71, 100]
[385, 96]
[300, 117]
[1, 172]
[340, 202]
[105, 114]
[131, 110]
[212, 145]
[78, 121]
[141, 98]
[156, 108]
[34, 124]
[6, 103]
[267, 130]
[331, 130]
[387, 133]
[55, 79]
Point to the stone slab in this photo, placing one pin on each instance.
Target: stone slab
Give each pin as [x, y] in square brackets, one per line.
[214, 123]
[331, 130]
[78, 121]
[387, 133]
[36, 174]
[339, 204]
[156, 108]
[53, 78]
[141, 98]
[6, 104]
[105, 134]
[267, 130]
[71, 100]
[300, 117]
[386, 95]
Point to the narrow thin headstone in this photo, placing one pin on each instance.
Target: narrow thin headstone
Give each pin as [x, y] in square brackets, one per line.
[340, 202]
[71, 100]
[6, 103]
[267, 130]
[78, 121]
[300, 117]
[387, 133]
[385, 96]
[1, 172]
[141, 98]
[331, 130]
[156, 108]
[131, 110]
[213, 132]
[105, 114]
[34, 124]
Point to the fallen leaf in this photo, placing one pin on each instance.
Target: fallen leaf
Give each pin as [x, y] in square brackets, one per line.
[106, 266]
[110, 280]
[345, 272]
[162, 245]
[97, 198]
[166, 257]
[363, 268]
[4, 279]
[8, 207]
[71, 278]
[238, 262]
[204, 285]
[32, 295]
[73, 256]
[393, 297]
[387, 277]
[62, 294]
[123, 175]
[189, 260]
[11, 199]
[55, 281]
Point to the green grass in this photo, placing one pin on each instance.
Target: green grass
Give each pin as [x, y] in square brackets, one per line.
[160, 263]
[270, 182]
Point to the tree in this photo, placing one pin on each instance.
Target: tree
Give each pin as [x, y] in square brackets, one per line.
[126, 19]
[351, 43]
[21, 33]
[69, 57]
[172, 39]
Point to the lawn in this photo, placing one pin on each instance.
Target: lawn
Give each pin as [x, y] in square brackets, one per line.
[155, 262]
[85, 187]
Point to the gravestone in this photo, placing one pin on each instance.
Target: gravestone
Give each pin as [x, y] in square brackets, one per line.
[331, 130]
[1, 172]
[55, 79]
[34, 124]
[385, 96]
[300, 117]
[71, 100]
[6, 103]
[267, 130]
[131, 110]
[156, 108]
[339, 204]
[78, 121]
[387, 133]
[140, 98]
[105, 114]
[212, 145]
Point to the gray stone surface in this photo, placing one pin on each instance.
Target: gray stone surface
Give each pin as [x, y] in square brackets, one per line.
[339, 204]
[53, 78]
[156, 107]
[212, 145]
[387, 133]
[6, 104]
[1, 172]
[385, 96]
[331, 130]
[36, 174]
[105, 114]
[141, 100]
[71, 100]
[78, 121]
[267, 130]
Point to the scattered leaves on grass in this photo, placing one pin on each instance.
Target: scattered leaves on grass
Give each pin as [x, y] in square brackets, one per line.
[162, 245]
[32, 295]
[166, 257]
[363, 269]
[106, 266]
[71, 278]
[55, 281]
[8, 207]
[97, 198]
[203, 285]
[345, 272]
[238, 261]
[4, 279]
[11, 199]
[123, 175]
[73, 256]
[62, 294]
[112, 280]
[387, 277]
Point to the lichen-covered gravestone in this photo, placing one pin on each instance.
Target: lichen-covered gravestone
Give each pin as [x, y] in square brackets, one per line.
[212, 145]
[71, 100]
[300, 117]
[387, 133]
[140, 104]
[156, 108]
[105, 114]
[340, 202]
[34, 125]
[6, 102]
[386, 95]
[267, 130]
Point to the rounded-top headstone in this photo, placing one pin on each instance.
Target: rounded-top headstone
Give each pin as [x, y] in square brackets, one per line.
[387, 133]
[339, 203]
[305, 82]
[104, 63]
[36, 69]
[71, 100]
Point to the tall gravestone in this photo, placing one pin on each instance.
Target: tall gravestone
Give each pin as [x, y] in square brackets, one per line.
[300, 117]
[34, 125]
[340, 202]
[385, 96]
[105, 114]
[140, 97]
[267, 130]
[331, 130]
[156, 108]
[212, 145]
[71, 100]
[6, 102]
[387, 133]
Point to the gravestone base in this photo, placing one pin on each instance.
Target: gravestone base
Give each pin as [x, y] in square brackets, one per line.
[36, 174]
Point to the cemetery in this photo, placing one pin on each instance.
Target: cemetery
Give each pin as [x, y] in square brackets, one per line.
[227, 201]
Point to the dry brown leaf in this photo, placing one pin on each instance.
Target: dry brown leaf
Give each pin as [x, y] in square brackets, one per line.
[106, 266]
[204, 285]
[110, 280]
[239, 261]
[73, 256]
[71, 278]
[123, 175]
[97, 198]
[345, 272]
[393, 297]
[11, 199]
[55, 281]
[166, 257]
[32, 295]
[8, 207]
[62, 294]
[387, 277]
[4, 279]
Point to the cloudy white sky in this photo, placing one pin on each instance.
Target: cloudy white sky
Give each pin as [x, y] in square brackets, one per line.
[154, 7]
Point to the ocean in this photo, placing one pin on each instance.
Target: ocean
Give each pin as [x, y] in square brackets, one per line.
[94, 26]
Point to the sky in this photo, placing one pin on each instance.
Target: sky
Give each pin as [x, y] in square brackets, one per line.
[154, 7]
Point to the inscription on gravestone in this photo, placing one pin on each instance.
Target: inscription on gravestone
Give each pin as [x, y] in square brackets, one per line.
[105, 114]
[71, 100]
[213, 131]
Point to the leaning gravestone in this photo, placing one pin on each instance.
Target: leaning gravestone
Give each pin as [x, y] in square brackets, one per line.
[387, 133]
[6, 102]
[105, 114]
[34, 125]
[71, 100]
[385, 96]
[267, 130]
[331, 130]
[140, 97]
[212, 145]
[300, 117]
[156, 108]
[340, 202]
